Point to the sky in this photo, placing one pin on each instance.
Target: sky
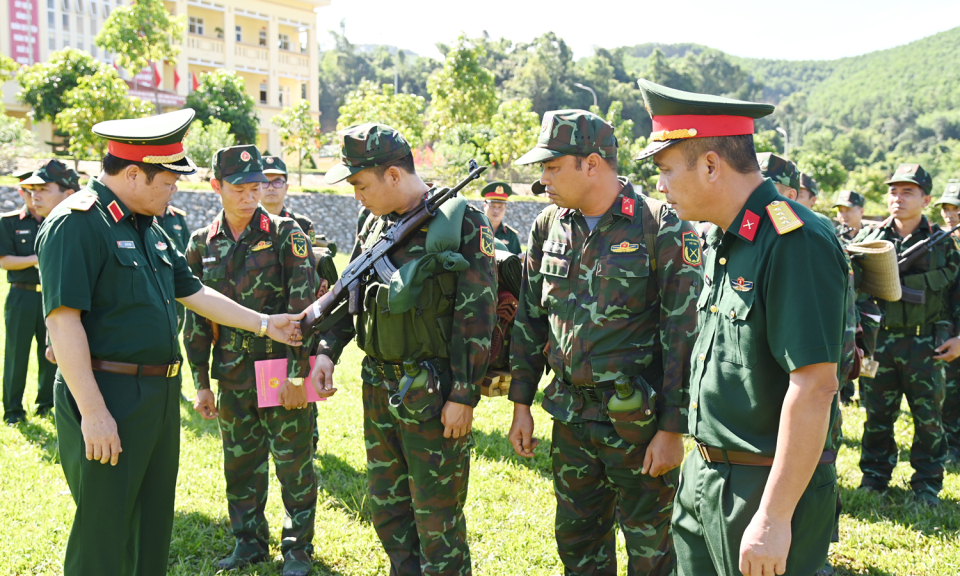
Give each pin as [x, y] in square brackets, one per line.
[805, 30]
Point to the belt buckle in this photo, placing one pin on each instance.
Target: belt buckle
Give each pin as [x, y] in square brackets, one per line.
[173, 369]
[36, 287]
[397, 371]
[704, 452]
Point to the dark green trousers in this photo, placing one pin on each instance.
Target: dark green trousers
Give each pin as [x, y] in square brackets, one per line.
[598, 484]
[418, 486]
[717, 501]
[250, 435]
[124, 515]
[23, 319]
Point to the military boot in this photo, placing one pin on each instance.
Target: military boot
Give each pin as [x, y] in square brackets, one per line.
[243, 553]
[296, 563]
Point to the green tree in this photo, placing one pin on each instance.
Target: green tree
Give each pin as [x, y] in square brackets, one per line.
[869, 181]
[95, 99]
[43, 85]
[201, 142]
[141, 35]
[222, 95]
[368, 103]
[298, 131]
[8, 70]
[515, 127]
[824, 168]
[463, 90]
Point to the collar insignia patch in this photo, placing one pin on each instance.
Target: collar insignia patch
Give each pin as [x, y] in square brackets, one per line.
[115, 211]
[749, 225]
[628, 206]
[264, 222]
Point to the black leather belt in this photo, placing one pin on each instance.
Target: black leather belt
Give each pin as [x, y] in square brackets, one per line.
[748, 458]
[168, 370]
[25, 286]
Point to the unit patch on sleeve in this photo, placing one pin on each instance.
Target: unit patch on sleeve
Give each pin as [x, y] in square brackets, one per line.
[691, 249]
[486, 241]
[299, 244]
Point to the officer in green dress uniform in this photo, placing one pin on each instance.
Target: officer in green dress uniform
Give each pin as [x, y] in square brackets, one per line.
[436, 315]
[607, 300]
[110, 281]
[949, 204]
[495, 196]
[849, 207]
[23, 310]
[759, 495]
[174, 223]
[916, 341]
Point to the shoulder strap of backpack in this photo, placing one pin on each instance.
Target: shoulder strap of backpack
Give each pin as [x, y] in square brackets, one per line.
[650, 214]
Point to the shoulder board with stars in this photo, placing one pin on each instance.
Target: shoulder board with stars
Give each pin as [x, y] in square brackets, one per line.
[177, 211]
[10, 214]
[81, 201]
[783, 217]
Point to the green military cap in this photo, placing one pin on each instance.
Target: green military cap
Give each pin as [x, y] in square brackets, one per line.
[22, 175]
[951, 195]
[274, 165]
[780, 170]
[57, 172]
[156, 140]
[810, 184]
[365, 146]
[678, 115]
[238, 165]
[571, 132]
[914, 174]
[850, 199]
[496, 192]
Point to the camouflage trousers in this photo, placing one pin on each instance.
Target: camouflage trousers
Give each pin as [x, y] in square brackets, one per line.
[907, 368]
[597, 481]
[951, 406]
[250, 435]
[418, 486]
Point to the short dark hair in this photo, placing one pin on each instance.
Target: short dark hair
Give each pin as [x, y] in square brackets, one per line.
[611, 162]
[113, 166]
[404, 163]
[737, 151]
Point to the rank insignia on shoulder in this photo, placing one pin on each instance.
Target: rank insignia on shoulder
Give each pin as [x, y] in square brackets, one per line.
[299, 245]
[741, 285]
[261, 245]
[628, 206]
[126, 244]
[264, 222]
[691, 249]
[624, 248]
[161, 245]
[486, 241]
[783, 217]
[81, 201]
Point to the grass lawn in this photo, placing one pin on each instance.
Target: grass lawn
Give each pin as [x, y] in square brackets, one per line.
[509, 511]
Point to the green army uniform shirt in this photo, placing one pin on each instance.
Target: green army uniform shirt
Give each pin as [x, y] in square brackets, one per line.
[174, 223]
[257, 274]
[509, 236]
[18, 234]
[120, 270]
[772, 303]
[594, 301]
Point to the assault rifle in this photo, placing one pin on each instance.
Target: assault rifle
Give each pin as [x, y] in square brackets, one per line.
[912, 254]
[376, 260]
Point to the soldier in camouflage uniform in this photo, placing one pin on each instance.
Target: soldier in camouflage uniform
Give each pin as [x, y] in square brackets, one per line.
[439, 312]
[609, 286]
[809, 190]
[849, 207]
[914, 343]
[260, 261]
[949, 205]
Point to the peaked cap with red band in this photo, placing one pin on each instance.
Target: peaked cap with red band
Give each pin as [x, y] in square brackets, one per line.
[156, 140]
[679, 115]
[496, 192]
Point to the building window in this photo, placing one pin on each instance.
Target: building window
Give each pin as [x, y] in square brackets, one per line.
[284, 42]
[66, 42]
[52, 41]
[66, 5]
[51, 20]
[106, 10]
[303, 91]
[52, 4]
[93, 8]
[80, 24]
[66, 23]
[239, 33]
[79, 5]
[263, 37]
[93, 26]
[196, 25]
[263, 92]
[303, 42]
[285, 96]
[93, 50]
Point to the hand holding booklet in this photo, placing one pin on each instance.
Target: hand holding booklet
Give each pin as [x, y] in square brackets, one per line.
[271, 374]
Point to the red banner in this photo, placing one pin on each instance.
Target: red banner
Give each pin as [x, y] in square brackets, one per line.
[24, 31]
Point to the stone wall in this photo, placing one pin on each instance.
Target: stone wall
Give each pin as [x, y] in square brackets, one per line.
[332, 215]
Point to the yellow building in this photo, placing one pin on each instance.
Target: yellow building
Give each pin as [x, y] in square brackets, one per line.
[271, 44]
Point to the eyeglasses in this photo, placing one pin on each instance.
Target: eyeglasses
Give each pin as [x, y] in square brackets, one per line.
[278, 184]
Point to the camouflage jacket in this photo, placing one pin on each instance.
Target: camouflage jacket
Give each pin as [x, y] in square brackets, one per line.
[474, 298]
[593, 308]
[305, 224]
[253, 272]
[936, 273]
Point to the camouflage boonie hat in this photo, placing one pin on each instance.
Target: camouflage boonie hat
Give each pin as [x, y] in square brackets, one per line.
[913, 174]
[365, 146]
[57, 172]
[810, 184]
[780, 170]
[850, 199]
[274, 165]
[238, 165]
[951, 195]
[571, 132]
